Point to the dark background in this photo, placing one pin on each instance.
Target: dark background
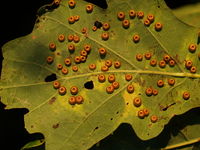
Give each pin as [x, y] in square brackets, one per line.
[17, 18]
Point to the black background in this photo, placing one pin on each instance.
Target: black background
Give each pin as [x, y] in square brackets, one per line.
[17, 18]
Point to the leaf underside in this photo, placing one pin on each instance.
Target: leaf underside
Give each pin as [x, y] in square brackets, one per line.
[74, 127]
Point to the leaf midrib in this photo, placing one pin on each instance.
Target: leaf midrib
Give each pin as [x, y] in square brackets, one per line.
[174, 74]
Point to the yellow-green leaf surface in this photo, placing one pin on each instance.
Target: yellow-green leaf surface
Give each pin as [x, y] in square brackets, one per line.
[78, 127]
[189, 14]
[36, 144]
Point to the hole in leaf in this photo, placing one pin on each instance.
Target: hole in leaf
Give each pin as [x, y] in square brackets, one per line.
[165, 108]
[98, 24]
[101, 3]
[51, 78]
[117, 112]
[127, 103]
[89, 85]
[178, 3]
[111, 118]
[96, 128]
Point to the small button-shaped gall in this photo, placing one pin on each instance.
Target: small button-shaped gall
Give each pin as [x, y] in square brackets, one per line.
[52, 46]
[150, 17]
[64, 71]
[67, 61]
[83, 53]
[172, 63]
[59, 66]
[188, 64]
[141, 114]
[153, 62]
[87, 48]
[71, 48]
[106, 26]
[171, 82]
[104, 68]
[79, 99]
[102, 51]
[128, 77]
[74, 68]
[137, 102]
[101, 78]
[71, 3]
[71, 20]
[105, 36]
[56, 2]
[139, 57]
[62, 90]
[148, 55]
[158, 26]
[108, 63]
[147, 22]
[111, 78]
[61, 38]
[155, 92]
[76, 38]
[89, 8]
[72, 100]
[154, 118]
[136, 38]
[56, 84]
[132, 14]
[74, 90]
[110, 89]
[92, 66]
[192, 48]
[160, 83]
[146, 112]
[166, 58]
[130, 88]
[83, 58]
[140, 14]
[186, 95]
[115, 84]
[193, 69]
[49, 59]
[126, 23]
[94, 28]
[70, 38]
[77, 59]
[76, 18]
[121, 15]
[149, 91]
[84, 30]
[162, 64]
[117, 64]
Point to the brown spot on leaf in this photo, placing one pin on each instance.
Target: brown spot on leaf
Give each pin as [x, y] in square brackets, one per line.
[55, 126]
[33, 37]
[52, 100]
